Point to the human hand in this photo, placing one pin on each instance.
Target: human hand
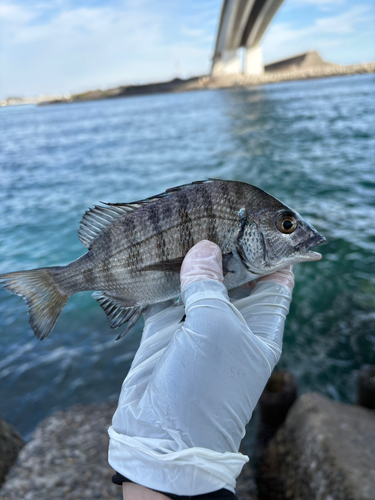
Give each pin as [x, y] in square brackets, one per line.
[192, 387]
[284, 276]
[202, 262]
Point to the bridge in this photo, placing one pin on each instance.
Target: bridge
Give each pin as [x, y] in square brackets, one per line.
[242, 24]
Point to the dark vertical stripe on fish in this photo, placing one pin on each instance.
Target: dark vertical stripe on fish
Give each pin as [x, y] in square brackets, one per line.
[89, 278]
[265, 251]
[106, 264]
[108, 270]
[237, 195]
[186, 238]
[154, 218]
[135, 258]
[224, 188]
[226, 194]
[212, 227]
[166, 213]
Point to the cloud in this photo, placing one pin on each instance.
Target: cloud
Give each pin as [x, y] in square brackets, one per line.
[49, 49]
[321, 4]
[79, 46]
[60, 46]
[13, 15]
[337, 37]
[347, 22]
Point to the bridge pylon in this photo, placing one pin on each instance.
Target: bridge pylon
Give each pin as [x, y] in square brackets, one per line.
[242, 24]
[253, 61]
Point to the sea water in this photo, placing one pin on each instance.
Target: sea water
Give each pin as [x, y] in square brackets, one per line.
[309, 143]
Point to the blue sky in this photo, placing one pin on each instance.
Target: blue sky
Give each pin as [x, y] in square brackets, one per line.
[68, 46]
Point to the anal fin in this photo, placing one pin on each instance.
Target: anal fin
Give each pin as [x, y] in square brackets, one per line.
[134, 314]
[119, 311]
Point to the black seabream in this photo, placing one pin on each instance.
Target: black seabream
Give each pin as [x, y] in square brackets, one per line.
[135, 250]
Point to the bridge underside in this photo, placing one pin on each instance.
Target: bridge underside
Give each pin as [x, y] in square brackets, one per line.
[242, 24]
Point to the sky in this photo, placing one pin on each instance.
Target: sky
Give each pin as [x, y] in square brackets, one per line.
[69, 46]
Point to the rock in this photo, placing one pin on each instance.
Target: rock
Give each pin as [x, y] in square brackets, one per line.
[10, 445]
[246, 488]
[66, 458]
[366, 386]
[325, 450]
[274, 403]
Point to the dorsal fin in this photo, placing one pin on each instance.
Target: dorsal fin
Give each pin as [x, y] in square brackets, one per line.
[101, 217]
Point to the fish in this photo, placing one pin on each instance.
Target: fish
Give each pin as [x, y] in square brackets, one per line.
[135, 250]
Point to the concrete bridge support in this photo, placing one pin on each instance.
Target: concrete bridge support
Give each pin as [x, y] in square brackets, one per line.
[227, 64]
[242, 24]
[253, 61]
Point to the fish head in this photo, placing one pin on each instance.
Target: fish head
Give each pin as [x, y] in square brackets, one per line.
[275, 236]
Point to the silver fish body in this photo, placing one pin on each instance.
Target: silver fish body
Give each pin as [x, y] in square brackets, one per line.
[135, 250]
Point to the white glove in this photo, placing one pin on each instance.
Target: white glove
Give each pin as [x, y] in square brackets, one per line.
[192, 386]
[202, 262]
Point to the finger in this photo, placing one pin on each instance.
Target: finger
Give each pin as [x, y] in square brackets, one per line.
[202, 262]
[283, 276]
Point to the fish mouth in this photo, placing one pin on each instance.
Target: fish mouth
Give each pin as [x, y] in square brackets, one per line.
[316, 240]
[312, 242]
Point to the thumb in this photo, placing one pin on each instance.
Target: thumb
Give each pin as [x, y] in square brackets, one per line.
[202, 262]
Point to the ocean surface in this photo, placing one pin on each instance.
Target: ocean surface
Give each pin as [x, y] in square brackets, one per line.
[309, 143]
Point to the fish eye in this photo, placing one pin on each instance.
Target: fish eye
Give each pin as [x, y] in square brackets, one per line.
[286, 223]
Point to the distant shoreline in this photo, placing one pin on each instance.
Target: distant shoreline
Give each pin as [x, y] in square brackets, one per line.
[200, 83]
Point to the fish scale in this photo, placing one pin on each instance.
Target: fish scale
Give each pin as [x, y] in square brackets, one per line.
[135, 250]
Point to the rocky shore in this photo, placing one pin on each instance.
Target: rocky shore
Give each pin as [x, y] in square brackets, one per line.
[323, 71]
[202, 83]
[323, 450]
[67, 458]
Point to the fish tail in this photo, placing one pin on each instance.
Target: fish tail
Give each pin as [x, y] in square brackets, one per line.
[44, 298]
